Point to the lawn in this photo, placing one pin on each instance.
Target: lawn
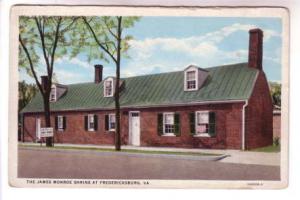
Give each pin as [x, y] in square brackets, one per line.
[270, 149]
[123, 150]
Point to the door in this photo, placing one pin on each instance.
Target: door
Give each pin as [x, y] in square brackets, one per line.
[38, 129]
[134, 126]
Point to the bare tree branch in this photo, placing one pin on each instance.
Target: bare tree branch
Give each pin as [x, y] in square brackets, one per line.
[54, 48]
[31, 65]
[97, 41]
[41, 33]
[108, 28]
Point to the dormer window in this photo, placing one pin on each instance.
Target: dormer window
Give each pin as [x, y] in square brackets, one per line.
[191, 80]
[108, 88]
[53, 94]
[194, 78]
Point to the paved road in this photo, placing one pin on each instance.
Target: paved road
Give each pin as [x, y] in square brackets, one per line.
[83, 164]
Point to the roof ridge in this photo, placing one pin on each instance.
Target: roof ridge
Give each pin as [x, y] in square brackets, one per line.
[163, 73]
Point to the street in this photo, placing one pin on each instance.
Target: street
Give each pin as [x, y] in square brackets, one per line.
[89, 164]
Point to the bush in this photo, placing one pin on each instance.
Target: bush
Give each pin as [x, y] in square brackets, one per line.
[276, 141]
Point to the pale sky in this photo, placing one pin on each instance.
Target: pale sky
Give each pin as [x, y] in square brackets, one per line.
[165, 44]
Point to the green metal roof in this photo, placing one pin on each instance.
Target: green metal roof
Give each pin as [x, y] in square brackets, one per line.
[228, 82]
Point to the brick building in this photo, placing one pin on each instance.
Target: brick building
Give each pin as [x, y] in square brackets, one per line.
[224, 107]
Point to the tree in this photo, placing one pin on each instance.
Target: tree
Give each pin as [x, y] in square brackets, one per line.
[26, 93]
[43, 39]
[275, 90]
[106, 35]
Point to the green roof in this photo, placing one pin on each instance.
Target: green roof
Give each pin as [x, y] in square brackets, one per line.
[228, 82]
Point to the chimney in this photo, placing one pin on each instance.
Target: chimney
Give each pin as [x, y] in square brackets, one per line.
[255, 48]
[98, 73]
[45, 82]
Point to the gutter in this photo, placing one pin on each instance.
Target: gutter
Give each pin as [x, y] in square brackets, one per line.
[243, 125]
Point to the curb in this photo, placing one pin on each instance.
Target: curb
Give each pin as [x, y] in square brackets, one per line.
[128, 154]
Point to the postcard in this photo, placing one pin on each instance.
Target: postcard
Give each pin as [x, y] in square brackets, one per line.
[148, 97]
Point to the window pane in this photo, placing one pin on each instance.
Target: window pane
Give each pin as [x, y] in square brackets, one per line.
[202, 118]
[169, 118]
[112, 121]
[202, 128]
[91, 122]
[169, 128]
[108, 88]
[60, 122]
[112, 118]
[191, 75]
[191, 84]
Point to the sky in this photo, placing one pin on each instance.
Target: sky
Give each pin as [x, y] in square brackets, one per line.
[166, 44]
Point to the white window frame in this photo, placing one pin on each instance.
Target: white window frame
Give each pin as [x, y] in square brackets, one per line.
[196, 124]
[164, 123]
[109, 122]
[196, 79]
[91, 118]
[60, 122]
[112, 87]
[54, 93]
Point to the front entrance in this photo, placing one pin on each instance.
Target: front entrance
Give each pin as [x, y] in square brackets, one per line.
[134, 128]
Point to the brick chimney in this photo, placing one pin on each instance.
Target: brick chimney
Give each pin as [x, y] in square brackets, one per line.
[98, 73]
[255, 48]
[45, 82]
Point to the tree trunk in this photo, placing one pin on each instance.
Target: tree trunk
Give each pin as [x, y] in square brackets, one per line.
[117, 91]
[49, 140]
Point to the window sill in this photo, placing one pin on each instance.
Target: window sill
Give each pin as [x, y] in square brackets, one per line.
[60, 130]
[202, 135]
[168, 134]
[187, 90]
[91, 130]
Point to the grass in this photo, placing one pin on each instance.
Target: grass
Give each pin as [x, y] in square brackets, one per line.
[124, 150]
[268, 149]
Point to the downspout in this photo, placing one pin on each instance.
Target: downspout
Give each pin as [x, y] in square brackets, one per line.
[243, 125]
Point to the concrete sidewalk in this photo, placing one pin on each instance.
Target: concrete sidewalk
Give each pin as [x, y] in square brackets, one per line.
[234, 156]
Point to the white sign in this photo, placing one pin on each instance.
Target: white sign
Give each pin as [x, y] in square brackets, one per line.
[46, 132]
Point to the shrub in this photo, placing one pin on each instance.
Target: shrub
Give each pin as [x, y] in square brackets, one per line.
[276, 141]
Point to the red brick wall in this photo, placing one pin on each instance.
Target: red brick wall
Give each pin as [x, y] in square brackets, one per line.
[228, 128]
[276, 125]
[74, 132]
[259, 115]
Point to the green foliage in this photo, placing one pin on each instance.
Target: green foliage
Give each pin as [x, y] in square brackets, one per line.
[105, 29]
[276, 141]
[26, 93]
[268, 149]
[29, 32]
[275, 90]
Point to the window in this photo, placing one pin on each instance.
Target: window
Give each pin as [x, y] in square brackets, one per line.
[108, 88]
[91, 123]
[169, 124]
[205, 123]
[53, 94]
[202, 123]
[60, 122]
[191, 80]
[112, 122]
